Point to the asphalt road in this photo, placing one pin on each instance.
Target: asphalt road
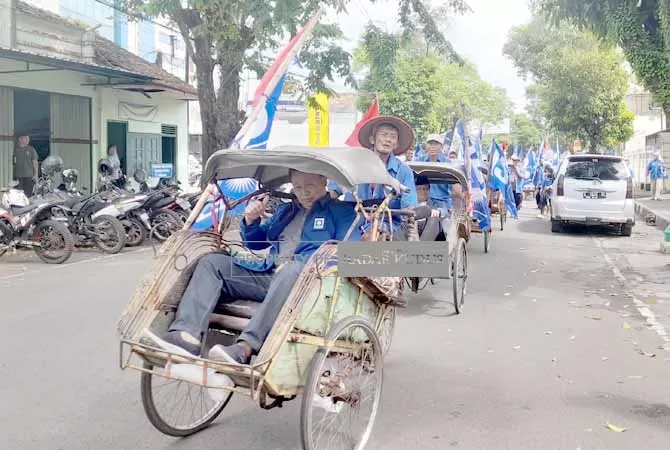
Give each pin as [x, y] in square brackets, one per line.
[560, 335]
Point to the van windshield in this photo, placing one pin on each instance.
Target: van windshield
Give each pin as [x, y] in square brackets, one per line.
[597, 169]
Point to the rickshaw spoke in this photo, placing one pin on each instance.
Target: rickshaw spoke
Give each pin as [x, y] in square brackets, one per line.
[339, 392]
[182, 413]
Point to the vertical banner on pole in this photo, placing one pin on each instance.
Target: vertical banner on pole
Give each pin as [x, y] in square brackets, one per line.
[319, 120]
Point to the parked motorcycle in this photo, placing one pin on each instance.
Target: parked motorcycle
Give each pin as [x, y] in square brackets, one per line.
[152, 212]
[34, 224]
[85, 222]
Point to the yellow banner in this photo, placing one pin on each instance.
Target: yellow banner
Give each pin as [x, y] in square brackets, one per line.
[318, 120]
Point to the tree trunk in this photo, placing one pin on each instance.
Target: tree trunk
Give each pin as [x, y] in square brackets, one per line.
[666, 118]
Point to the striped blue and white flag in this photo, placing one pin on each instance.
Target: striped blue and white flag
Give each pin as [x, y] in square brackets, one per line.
[255, 132]
[480, 210]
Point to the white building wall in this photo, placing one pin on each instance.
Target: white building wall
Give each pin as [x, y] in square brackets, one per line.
[105, 106]
[647, 121]
[120, 105]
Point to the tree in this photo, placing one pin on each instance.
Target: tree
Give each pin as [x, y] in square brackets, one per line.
[580, 82]
[422, 87]
[640, 28]
[225, 36]
[524, 131]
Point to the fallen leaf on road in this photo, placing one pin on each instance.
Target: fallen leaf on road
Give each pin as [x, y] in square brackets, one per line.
[608, 304]
[648, 354]
[507, 294]
[613, 294]
[534, 300]
[572, 303]
[554, 359]
[604, 358]
[593, 317]
[650, 301]
[516, 347]
[547, 332]
[626, 326]
[626, 306]
[533, 271]
[615, 428]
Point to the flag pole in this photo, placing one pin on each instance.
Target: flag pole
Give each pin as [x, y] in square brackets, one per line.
[466, 145]
[280, 72]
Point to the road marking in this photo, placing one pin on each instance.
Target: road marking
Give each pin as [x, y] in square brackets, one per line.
[72, 264]
[642, 307]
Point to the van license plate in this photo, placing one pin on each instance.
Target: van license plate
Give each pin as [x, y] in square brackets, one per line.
[595, 195]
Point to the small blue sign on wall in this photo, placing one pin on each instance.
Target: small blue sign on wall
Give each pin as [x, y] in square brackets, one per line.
[162, 170]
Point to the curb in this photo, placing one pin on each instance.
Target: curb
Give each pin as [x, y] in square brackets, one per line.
[643, 211]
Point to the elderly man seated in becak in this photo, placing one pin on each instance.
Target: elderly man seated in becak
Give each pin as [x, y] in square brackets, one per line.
[388, 136]
[292, 234]
[433, 216]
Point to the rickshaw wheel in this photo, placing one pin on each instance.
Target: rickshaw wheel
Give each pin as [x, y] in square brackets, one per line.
[459, 274]
[386, 328]
[201, 398]
[334, 386]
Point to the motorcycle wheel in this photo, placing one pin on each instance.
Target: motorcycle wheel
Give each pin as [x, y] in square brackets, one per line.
[135, 232]
[114, 230]
[164, 222]
[182, 215]
[47, 229]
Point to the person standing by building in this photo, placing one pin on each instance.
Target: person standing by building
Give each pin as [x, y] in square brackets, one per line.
[656, 172]
[117, 175]
[26, 165]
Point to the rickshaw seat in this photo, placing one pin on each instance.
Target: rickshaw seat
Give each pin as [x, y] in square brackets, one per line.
[233, 316]
[239, 308]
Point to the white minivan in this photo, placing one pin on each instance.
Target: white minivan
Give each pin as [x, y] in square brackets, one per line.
[593, 189]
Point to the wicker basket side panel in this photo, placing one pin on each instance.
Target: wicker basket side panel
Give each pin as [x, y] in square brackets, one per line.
[166, 279]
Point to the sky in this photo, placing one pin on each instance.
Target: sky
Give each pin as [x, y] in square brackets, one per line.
[478, 36]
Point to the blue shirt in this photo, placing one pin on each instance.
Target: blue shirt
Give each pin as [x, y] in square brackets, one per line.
[514, 178]
[398, 170]
[440, 194]
[655, 168]
[328, 219]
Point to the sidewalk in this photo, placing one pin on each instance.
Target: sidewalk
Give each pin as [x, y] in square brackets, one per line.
[660, 209]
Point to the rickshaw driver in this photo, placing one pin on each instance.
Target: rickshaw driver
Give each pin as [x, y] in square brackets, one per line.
[440, 194]
[388, 136]
[299, 227]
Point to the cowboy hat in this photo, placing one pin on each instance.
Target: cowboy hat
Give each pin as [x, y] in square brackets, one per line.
[405, 133]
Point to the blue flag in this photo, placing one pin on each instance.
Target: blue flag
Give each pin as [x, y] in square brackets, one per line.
[480, 210]
[499, 178]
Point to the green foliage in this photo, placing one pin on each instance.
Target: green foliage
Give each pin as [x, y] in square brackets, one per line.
[233, 34]
[423, 87]
[580, 82]
[524, 131]
[640, 28]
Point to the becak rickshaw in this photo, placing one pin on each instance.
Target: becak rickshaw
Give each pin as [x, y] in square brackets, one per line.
[454, 229]
[327, 343]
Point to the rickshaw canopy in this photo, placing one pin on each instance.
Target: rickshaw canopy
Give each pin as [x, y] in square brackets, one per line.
[440, 172]
[346, 166]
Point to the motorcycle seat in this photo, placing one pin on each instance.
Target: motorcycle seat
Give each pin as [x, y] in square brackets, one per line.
[17, 210]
